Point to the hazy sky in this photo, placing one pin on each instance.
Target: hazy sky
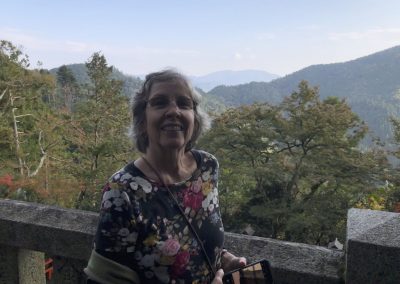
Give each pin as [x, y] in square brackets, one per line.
[201, 36]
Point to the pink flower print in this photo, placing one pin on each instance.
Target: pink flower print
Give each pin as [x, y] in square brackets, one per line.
[170, 247]
[192, 200]
[179, 266]
[196, 185]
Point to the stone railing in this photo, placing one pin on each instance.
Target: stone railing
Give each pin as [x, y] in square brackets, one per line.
[29, 231]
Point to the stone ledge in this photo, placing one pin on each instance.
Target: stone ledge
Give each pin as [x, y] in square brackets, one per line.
[367, 226]
[291, 262]
[373, 247]
[50, 229]
[69, 234]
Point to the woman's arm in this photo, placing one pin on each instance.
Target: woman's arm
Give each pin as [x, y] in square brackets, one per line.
[115, 239]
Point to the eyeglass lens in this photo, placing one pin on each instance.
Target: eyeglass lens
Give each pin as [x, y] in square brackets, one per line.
[162, 102]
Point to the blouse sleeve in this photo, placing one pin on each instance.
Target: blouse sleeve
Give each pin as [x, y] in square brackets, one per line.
[117, 231]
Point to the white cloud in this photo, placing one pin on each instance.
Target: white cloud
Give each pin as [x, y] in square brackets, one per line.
[265, 36]
[34, 42]
[371, 34]
[141, 50]
[31, 41]
[238, 56]
[309, 28]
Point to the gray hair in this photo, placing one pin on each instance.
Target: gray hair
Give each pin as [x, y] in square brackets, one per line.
[201, 119]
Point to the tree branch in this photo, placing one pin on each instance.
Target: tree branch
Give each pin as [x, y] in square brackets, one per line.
[42, 159]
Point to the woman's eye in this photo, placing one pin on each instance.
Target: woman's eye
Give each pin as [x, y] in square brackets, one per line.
[185, 103]
[159, 103]
[182, 103]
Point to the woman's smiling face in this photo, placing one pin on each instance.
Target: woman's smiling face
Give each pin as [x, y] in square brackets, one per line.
[169, 116]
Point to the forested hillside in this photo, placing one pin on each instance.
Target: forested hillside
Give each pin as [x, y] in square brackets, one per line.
[230, 78]
[131, 84]
[79, 71]
[289, 170]
[369, 84]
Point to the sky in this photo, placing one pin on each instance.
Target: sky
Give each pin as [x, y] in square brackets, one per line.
[200, 36]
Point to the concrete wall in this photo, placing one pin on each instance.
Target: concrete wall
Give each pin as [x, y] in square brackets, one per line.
[27, 230]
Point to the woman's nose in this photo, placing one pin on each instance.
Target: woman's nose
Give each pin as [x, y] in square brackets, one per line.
[173, 108]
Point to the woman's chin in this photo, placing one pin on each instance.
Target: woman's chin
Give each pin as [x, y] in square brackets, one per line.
[173, 145]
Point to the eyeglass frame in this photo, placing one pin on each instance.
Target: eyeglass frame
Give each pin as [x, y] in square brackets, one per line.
[163, 99]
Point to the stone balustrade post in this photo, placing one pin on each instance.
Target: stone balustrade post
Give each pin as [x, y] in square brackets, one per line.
[21, 266]
[373, 247]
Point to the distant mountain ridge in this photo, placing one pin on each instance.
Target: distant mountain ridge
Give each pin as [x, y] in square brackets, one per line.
[231, 78]
[370, 84]
[131, 84]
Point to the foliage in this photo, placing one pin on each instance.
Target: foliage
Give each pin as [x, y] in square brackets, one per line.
[211, 105]
[98, 139]
[68, 87]
[370, 85]
[289, 169]
[25, 142]
[60, 140]
[298, 163]
[80, 72]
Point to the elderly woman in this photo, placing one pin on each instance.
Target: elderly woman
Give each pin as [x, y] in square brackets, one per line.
[160, 220]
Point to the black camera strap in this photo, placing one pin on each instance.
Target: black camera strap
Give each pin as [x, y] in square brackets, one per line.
[184, 216]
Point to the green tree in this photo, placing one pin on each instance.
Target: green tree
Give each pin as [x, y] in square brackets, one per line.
[22, 111]
[28, 126]
[388, 198]
[98, 140]
[298, 165]
[68, 87]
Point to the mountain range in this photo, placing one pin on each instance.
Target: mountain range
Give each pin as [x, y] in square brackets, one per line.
[370, 84]
[231, 78]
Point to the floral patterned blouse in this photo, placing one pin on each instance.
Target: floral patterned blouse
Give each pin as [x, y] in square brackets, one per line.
[141, 227]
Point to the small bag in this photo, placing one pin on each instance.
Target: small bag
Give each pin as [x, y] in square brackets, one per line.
[103, 270]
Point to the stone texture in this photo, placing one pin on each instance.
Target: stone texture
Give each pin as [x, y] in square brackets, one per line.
[66, 235]
[290, 262]
[49, 229]
[21, 266]
[31, 267]
[373, 247]
[8, 264]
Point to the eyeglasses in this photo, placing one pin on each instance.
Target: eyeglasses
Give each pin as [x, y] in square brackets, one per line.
[162, 102]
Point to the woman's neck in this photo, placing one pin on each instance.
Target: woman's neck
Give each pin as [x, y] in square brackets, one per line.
[172, 166]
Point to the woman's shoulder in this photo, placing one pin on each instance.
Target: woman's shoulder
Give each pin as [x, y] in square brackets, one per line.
[125, 173]
[129, 178]
[205, 158]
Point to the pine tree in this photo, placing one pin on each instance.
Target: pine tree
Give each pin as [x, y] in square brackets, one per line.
[99, 142]
[68, 87]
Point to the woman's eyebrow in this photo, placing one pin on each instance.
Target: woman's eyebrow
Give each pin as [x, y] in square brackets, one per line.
[176, 95]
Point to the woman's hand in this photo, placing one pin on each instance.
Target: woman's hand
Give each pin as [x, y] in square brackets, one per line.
[231, 262]
[218, 277]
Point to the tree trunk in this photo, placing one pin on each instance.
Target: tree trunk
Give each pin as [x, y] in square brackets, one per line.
[16, 136]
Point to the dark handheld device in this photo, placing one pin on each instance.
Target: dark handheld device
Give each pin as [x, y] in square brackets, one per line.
[258, 272]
